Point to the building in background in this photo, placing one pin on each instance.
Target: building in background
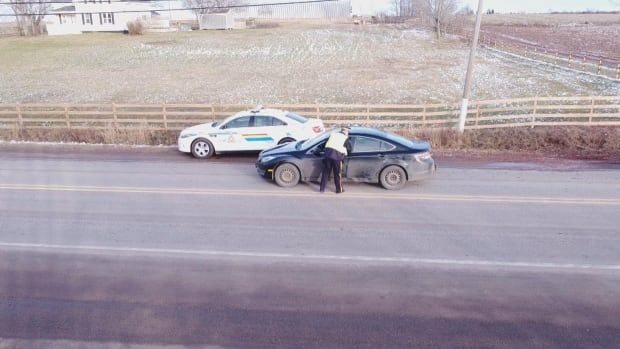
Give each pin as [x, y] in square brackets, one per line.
[318, 10]
[101, 16]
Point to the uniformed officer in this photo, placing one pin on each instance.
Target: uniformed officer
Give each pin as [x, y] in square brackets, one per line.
[337, 148]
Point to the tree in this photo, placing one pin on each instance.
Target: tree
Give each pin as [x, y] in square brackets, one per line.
[404, 8]
[201, 7]
[29, 15]
[439, 12]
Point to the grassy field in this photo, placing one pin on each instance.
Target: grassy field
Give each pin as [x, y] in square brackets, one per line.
[290, 64]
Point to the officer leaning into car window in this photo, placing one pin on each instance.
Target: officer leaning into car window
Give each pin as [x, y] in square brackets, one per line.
[337, 148]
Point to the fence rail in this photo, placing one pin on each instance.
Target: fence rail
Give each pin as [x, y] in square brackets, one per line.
[535, 111]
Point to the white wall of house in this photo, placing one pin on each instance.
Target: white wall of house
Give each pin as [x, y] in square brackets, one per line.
[97, 16]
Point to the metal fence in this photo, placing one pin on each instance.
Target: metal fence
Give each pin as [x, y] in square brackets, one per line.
[519, 112]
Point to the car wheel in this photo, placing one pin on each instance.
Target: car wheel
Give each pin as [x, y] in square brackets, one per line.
[202, 149]
[287, 175]
[393, 177]
[286, 140]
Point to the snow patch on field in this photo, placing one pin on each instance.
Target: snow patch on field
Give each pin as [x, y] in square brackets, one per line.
[325, 65]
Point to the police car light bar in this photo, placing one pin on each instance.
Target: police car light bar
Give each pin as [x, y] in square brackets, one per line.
[257, 108]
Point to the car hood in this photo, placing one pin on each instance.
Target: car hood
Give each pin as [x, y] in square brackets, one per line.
[199, 128]
[280, 149]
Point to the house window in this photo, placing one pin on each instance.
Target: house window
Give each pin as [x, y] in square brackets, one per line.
[108, 18]
[87, 18]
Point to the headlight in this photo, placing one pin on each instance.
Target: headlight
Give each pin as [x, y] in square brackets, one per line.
[267, 159]
[186, 135]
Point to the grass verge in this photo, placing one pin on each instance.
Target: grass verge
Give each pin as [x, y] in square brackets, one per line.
[565, 142]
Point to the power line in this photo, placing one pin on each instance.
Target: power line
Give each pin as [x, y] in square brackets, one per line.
[154, 9]
[72, 2]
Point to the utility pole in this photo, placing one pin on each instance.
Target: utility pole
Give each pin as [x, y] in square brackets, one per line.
[470, 69]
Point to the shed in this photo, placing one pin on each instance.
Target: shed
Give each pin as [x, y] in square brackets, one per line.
[219, 19]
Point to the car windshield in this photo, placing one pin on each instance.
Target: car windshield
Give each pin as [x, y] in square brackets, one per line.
[296, 117]
[307, 144]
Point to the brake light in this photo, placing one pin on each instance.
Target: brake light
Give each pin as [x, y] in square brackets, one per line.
[317, 129]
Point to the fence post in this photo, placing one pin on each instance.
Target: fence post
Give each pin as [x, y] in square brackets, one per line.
[114, 116]
[570, 57]
[477, 112]
[367, 114]
[600, 62]
[618, 72]
[424, 116]
[318, 111]
[557, 57]
[212, 112]
[591, 111]
[534, 112]
[20, 121]
[67, 116]
[163, 110]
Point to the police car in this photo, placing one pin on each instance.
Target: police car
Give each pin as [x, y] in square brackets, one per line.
[250, 130]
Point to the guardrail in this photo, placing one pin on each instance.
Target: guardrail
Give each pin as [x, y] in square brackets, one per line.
[519, 112]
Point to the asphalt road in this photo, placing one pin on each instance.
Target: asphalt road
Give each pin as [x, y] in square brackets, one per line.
[139, 248]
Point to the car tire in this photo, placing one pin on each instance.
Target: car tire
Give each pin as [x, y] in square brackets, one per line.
[286, 140]
[202, 149]
[393, 178]
[287, 175]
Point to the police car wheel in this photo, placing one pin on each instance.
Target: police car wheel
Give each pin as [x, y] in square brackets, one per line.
[393, 177]
[286, 140]
[202, 149]
[287, 175]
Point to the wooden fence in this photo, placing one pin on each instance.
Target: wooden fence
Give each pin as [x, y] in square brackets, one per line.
[583, 61]
[547, 111]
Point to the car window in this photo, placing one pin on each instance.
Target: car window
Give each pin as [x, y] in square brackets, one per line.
[262, 121]
[363, 144]
[243, 121]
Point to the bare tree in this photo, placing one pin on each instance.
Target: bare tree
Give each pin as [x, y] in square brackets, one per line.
[404, 8]
[29, 15]
[439, 12]
[201, 7]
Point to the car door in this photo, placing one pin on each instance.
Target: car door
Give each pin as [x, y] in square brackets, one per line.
[312, 162]
[231, 138]
[368, 156]
[267, 131]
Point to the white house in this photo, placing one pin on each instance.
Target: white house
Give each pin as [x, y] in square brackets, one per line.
[97, 16]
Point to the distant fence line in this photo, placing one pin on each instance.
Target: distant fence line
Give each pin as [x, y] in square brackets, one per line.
[583, 61]
[518, 112]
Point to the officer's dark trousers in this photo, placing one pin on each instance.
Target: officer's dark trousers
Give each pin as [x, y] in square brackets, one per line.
[335, 166]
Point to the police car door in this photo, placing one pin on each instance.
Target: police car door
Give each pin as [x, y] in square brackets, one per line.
[267, 132]
[231, 138]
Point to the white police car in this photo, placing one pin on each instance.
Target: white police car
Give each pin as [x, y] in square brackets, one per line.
[250, 130]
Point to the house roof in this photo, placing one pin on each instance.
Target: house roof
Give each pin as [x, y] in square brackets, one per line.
[64, 9]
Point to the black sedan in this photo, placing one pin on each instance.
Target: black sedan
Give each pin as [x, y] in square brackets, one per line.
[377, 156]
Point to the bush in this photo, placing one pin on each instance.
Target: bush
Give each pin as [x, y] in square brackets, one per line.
[136, 27]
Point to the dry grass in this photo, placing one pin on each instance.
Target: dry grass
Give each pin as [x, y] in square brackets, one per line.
[142, 136]
[573, 142]
[570, 142]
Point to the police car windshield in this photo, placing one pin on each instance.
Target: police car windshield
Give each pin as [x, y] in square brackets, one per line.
[296, 117]
[313, 141]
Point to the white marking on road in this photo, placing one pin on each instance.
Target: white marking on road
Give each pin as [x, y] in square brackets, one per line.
[76, 249]
[356, 196]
